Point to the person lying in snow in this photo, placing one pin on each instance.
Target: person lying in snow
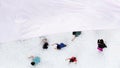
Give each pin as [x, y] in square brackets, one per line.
[101, 45]
[35, 60]
[72, 60]
[60, 46]
[45, 43]
[76, 34]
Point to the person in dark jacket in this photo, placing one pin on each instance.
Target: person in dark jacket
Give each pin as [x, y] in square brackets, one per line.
[76, 34]
[101, 45]
[45, 43]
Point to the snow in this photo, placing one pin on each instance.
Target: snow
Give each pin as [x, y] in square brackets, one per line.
[27, 19]
[21, 19]
[15, 54]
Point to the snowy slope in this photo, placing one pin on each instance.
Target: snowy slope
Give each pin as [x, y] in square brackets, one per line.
[32, 18]
[15, 54]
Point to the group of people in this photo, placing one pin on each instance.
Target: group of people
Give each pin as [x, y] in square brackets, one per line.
[59, 46]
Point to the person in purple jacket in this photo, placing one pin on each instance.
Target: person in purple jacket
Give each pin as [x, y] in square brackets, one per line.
[101, 45]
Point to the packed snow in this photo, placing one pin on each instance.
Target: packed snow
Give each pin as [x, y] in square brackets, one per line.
[15, 54]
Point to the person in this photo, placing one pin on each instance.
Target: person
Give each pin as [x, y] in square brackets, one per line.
[73, 59]
[35, 60]
[60, 46]
[101, 45]
[45, 43]
[76, 34]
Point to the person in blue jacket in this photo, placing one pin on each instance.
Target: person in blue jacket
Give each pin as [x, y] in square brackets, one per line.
[35, 60]
[60, 46]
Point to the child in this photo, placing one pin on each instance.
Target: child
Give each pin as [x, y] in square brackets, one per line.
[76, 34]
[60, 46]
[72, 60]
[45, 43]
[101, 45]
[35, 60]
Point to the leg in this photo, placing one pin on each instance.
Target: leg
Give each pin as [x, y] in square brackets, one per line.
[73, 38]
[100, 49]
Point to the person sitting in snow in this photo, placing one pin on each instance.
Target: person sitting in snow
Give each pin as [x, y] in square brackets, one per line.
[72, 60]
[60, 46]
[76, 34]
[101, 45]
[45, 43]
[35, 60]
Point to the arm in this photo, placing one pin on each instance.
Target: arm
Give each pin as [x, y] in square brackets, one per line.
[54, 44]
[105, 45]
[67, 59]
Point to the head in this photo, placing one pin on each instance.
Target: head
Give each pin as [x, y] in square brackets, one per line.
[33, 63]
[58, 47]
[45, 40]
[101, 41]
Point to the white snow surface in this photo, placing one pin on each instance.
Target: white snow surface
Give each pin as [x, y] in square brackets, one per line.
[32, 18]
[15, 54]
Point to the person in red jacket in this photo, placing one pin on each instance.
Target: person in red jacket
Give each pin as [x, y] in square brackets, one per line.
[72, 60]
